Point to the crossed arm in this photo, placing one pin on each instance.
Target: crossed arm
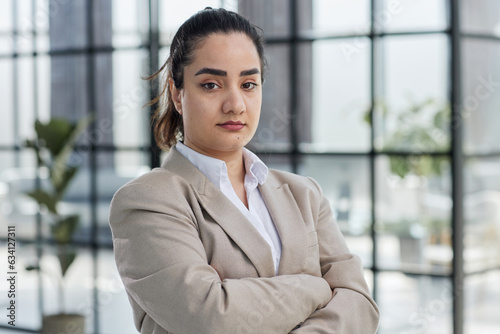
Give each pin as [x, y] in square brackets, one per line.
[351, 309]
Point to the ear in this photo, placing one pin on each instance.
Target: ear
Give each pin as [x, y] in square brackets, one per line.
[176, 95]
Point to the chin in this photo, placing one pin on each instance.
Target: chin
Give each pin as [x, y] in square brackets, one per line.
[233, 145]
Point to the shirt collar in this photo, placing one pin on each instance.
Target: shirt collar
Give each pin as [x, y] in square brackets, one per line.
[255, 166]
[215, 170]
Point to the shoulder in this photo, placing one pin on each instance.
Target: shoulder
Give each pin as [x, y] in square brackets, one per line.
[154, 189]
[176, 176]
[158, 179]
[296, 183]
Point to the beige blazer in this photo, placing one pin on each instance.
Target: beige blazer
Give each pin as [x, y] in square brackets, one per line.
[192, 263]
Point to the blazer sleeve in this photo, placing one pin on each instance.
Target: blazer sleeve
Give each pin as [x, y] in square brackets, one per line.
[164, 268]
[351, 309]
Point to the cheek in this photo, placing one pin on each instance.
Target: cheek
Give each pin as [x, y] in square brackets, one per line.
[255, 109]
[191, 122]
[198, 106]
[191, 109]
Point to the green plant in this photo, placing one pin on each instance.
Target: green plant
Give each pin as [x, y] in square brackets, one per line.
[421, 127]
[54, 145]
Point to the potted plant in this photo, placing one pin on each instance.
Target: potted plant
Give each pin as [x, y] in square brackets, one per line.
[411, 236]
[54, 144]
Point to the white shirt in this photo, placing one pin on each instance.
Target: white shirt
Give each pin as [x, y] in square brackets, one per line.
[256, 173]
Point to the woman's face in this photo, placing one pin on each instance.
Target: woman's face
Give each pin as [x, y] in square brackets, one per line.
[221, 98]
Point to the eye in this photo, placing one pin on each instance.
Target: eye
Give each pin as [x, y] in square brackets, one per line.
[209, 86]
[249, 85]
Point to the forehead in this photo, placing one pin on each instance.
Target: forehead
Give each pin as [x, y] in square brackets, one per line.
[226, 50]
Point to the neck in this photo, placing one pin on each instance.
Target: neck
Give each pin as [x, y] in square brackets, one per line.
[235, 168]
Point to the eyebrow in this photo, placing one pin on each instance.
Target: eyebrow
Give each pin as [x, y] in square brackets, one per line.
[221, 73]
[249, 72]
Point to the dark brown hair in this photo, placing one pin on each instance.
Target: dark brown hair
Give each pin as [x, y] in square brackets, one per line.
[168, 127]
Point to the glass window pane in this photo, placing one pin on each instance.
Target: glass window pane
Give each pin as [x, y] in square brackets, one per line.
[412, 109]
[480, 96]
[115, 312]
[480, 16]
[25, 26]
[69, 86]
[482, 302]
[334, 17]
[413, 213]
[129, 163]
[231, 5]
[414, 304]
[271, 16]
[116, 169]
[43, 43]
[7, 97]
[24, 43]
[77, 198]
[43, 93]
[409, 15]
[68, 24]
[17, 176]
[340, 95]
[274, 124]
[101, 132]
[345, 183]
[6, 44]
[276, 161]
[41, 20]
[482, 214]
[25, 101]
[6, 22]
[8, 160]
[130, 121]
[130, 22]
[102, 23]
[172, 15]
[26, 160]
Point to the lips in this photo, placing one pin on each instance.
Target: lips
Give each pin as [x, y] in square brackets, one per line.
[232, 125]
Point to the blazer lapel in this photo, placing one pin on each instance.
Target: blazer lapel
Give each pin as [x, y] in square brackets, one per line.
[239, 229]
[224, 213]
[288, 221]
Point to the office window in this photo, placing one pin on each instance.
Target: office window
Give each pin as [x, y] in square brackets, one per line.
[390, 105]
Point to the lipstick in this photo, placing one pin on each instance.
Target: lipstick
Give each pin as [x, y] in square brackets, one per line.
[232, 125]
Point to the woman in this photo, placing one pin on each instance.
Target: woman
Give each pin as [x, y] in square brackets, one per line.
[213, 241]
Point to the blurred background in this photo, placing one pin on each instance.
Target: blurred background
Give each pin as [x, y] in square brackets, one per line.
[392, 105]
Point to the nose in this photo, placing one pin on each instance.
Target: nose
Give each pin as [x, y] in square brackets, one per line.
[233, 102]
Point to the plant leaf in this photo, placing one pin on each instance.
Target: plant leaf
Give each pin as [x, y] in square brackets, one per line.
[32, 267]
[54, 134]
[64, 180]
[32, 144]
[400, 165]
[66, 258]
[63, 230]
[45, 199]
